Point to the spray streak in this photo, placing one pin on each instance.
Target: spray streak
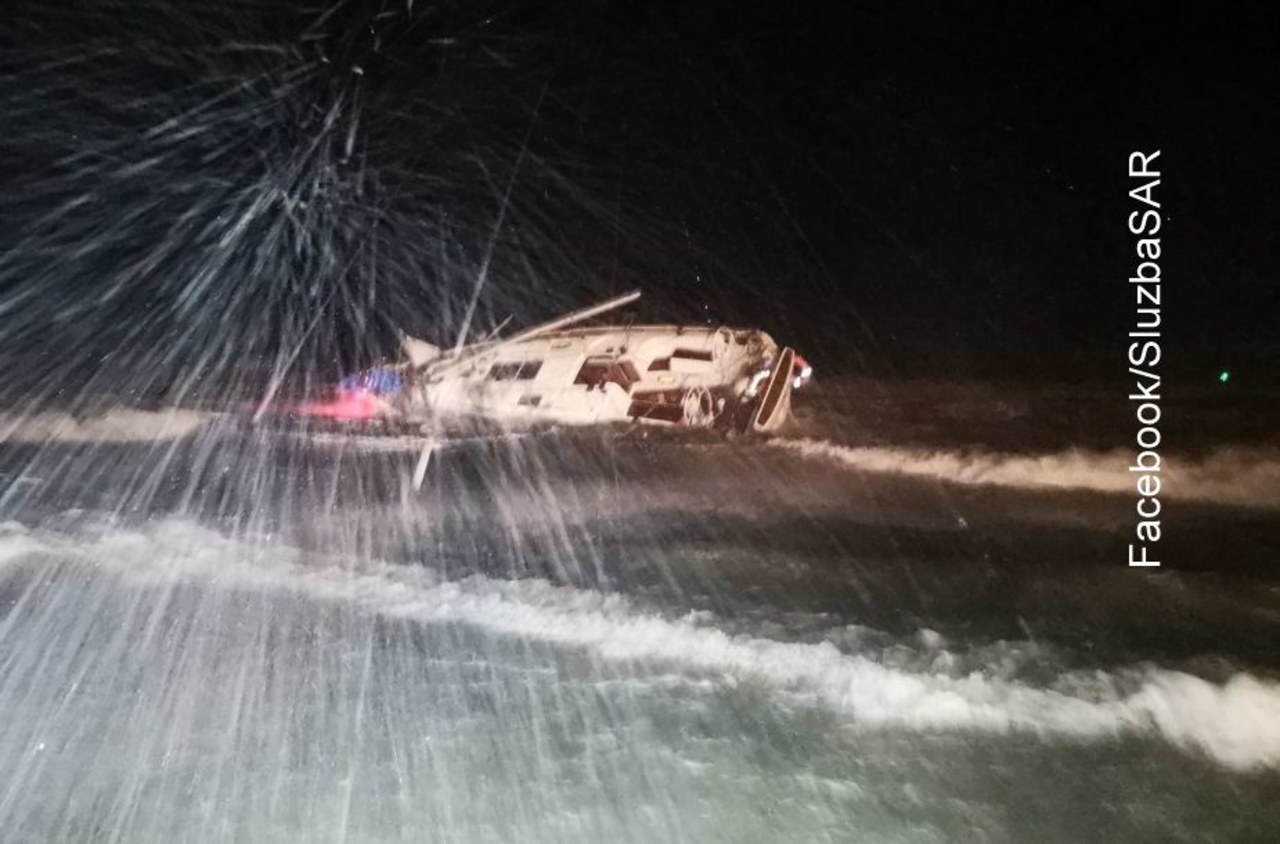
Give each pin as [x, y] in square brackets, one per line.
[255, 199]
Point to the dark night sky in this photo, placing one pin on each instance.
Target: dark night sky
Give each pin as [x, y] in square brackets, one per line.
[948, 186]
[896, 188]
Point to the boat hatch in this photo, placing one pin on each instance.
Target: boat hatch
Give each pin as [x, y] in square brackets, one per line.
[665, 364]
[521, 370]
[598, 371]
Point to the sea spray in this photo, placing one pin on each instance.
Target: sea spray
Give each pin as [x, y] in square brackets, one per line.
[1247, 476]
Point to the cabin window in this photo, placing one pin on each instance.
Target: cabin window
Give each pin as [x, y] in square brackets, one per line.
[523, 370]
[691, 354]
[598, 371]
[658, 405]
[529, 401]
[660, 365]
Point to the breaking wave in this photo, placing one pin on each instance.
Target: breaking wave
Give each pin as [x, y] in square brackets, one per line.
[1244, 476]
[1236, 723]
[114, 426]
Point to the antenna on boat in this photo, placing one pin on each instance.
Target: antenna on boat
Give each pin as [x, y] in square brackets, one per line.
[495, 332]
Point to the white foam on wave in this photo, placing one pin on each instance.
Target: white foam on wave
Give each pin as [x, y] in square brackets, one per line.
[397, 444]
[1243, 476]
[16, 543]
[120, 425]
[1237, 723]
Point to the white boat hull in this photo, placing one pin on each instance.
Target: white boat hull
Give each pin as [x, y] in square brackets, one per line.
[694, 376]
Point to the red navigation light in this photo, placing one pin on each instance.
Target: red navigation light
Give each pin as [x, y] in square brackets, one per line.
[350, 406]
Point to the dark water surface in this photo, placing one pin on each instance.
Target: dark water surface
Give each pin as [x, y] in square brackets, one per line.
[246, 636]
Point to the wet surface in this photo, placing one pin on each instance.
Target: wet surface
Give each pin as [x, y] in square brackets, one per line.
[622, 635]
